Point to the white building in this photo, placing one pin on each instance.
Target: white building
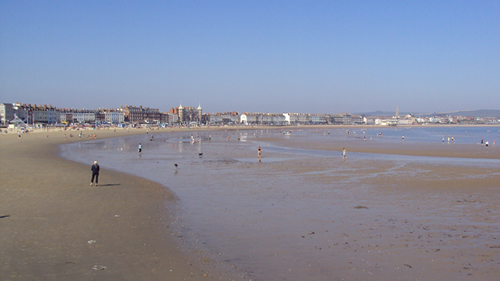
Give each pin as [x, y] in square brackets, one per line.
[405, 122]
[369, 120]
[262, 118]
[114, 117]
[224, 118]
[250, 118]
[46, 116]
[358, 120]
[32, 114]
[172, 118]
[386, 122]
[84, 116]
[297, 118]
[318, 119]
[64, 117]
[6, 113]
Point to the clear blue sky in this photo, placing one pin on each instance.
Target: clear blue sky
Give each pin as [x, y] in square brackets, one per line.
[257, 56]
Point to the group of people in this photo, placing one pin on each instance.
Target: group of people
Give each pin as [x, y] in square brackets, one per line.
[95, 167]
[486, 143]
[80, 136]
[452, 139]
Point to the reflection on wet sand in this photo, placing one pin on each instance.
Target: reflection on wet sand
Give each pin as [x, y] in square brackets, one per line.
[304, 214]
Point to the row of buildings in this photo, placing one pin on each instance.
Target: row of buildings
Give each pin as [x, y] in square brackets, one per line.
[48, 114]
[191, 116]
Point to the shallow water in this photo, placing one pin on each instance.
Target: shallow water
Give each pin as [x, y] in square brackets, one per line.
[460, 134]
[308, 215]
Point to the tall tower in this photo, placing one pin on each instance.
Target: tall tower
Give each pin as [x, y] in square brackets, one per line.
[199, 113]
[397, 112]
[181, 113]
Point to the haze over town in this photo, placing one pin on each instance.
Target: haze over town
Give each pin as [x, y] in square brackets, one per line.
[253, 56]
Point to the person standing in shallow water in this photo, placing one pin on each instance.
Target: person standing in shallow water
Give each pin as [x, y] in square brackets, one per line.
[343, 153]
[95, 173]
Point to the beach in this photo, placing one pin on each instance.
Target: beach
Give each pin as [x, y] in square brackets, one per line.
[387, 212]
[303, 213]
[54, 226]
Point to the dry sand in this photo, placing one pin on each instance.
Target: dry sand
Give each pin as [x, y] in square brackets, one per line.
[54, 226]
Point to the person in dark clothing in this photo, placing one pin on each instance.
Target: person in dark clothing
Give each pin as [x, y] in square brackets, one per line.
[95, 173]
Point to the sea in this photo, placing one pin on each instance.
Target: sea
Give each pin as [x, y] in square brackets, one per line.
[307, 214]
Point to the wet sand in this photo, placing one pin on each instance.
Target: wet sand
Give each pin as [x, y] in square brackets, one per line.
[380, 220]
[313, 216]
[402, 148]
[54, 226]
[421, 219]
[302, 218]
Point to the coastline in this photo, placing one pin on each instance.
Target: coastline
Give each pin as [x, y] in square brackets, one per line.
[54, 226]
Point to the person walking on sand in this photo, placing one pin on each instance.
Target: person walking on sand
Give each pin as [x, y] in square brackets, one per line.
[19, 134]
[140, 148]
[259, 152]
[95, 173]
[343, 153]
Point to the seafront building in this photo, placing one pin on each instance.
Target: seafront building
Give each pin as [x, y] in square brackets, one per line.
[188, 115]
[253, 118]
[341, 119]
[223, 118]
[114, 117]
[134, 114]
[47, 114]
[77, 116]
[319, 119]
[32, 114]
[296, 118]
[6, 113]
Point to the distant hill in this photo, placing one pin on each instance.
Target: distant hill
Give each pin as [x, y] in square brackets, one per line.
[381, 113]
[473, 113]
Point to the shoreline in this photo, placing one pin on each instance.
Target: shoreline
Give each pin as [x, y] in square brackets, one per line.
[248, 127]
[455, 151]
[48, 213]
[55, 226]
[263, 234]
